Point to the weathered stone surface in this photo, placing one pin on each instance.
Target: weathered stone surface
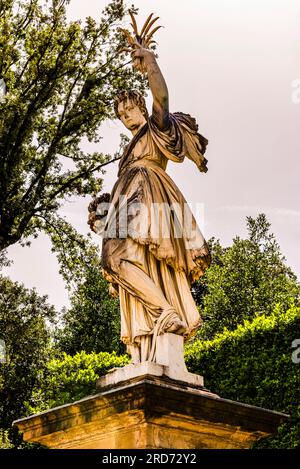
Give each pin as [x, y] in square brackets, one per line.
[129, 373]
[170, 352]
[153, 412]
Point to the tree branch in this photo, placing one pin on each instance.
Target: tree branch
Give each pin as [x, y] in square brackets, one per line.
[79, 176]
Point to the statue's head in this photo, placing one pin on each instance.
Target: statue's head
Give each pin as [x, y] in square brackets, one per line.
[130, 108]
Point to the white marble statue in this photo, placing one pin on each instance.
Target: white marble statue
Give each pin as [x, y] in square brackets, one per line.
[152, 248]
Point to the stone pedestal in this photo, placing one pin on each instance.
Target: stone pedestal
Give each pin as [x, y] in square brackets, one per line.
[142, 406]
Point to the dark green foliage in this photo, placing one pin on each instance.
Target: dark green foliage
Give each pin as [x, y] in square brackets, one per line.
[13, 439]
[65, 379]
[61, 80]
[75, 253]
[93, 321]
[23, 316]
[245, 279]
[253, 364]
[68, 379]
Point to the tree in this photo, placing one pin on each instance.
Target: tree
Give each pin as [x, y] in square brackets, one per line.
[92, 323]
[60, 81]
[4, 262]
[23, 328]
[244, 280]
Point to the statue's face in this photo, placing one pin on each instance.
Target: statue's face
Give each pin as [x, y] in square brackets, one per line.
[131, 115]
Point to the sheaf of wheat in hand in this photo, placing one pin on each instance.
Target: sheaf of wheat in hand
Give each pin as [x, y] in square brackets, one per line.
[144, 38]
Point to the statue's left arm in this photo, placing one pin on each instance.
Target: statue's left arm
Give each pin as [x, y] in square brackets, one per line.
[158, 87]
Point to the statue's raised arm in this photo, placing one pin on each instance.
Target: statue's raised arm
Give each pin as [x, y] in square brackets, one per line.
[182, 138]
[157, 84]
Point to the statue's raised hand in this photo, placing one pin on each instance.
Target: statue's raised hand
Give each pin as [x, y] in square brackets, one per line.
[141, 57]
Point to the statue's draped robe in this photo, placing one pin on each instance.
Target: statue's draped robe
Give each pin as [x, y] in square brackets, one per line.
[170, 247]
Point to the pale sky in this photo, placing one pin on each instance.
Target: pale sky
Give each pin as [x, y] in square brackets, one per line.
[234, 65]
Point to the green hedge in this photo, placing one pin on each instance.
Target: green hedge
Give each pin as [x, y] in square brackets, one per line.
[253, 364]
[70, 378]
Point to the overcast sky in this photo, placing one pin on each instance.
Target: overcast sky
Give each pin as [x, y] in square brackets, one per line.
[233, 65]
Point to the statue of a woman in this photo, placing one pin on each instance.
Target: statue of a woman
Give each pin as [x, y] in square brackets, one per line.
[153, 249]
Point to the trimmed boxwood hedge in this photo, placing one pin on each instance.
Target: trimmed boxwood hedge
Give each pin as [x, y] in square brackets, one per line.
[70, 378]
[253, 364]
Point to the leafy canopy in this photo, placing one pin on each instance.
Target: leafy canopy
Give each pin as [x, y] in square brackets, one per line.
[248, 278]
[92, 323]
[24, 316]
[61, 78]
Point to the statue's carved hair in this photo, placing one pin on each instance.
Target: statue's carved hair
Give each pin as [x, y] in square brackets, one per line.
[134, 96]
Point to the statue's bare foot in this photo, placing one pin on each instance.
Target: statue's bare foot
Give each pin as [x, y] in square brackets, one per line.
[176, 327]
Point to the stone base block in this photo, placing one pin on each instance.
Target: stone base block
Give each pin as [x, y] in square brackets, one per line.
[135, 372]
[150, 411]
